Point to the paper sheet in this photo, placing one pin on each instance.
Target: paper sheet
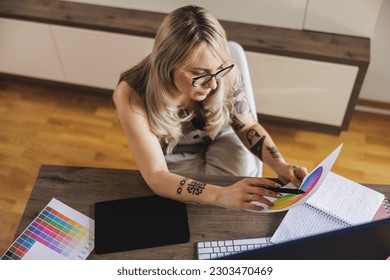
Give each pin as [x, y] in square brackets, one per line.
[310, 184]
[344, 203]
[57, 233]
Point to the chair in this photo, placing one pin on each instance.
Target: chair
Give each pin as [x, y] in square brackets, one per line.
[239, 57]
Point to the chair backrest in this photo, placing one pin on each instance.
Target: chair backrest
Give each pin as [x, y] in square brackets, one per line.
[239, 57]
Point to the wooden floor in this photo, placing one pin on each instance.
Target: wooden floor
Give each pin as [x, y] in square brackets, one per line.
[47, 125]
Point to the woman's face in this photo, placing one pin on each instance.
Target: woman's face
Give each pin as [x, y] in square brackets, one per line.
[205, 63]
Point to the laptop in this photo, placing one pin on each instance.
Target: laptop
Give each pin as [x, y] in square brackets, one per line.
[369, 241]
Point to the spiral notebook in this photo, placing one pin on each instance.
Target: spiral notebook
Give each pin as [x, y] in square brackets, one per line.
[338, 203]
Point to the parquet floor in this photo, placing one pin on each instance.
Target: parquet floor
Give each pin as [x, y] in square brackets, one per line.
[44, 124]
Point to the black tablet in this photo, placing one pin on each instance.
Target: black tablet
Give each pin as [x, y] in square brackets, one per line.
[136, 223]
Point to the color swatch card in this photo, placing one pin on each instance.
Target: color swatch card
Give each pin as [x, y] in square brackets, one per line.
[309, 185]
[57, 233]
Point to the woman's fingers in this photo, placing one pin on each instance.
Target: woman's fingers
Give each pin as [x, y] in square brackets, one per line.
[261, 182]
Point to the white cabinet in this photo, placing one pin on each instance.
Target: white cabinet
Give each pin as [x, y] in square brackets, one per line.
[284, 87]
[27, 49]
[71, 55]
[95, 58]
[301, 89]
[280, 13]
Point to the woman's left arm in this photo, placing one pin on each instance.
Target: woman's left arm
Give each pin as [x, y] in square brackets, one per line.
[258, 141]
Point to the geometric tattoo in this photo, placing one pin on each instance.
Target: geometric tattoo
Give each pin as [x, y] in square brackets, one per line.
[181, 185]
[195, 187]
[257, 149]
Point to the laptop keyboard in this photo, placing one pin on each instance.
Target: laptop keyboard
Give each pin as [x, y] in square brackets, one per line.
[220, 248]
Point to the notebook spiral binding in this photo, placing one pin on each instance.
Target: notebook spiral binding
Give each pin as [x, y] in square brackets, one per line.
[387, 206]
[334, 218]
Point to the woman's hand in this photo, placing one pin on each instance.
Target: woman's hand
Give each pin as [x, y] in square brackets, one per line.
[241, 194]
[292, 173]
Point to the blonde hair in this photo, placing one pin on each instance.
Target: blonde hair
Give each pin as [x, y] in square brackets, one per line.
[182, 31]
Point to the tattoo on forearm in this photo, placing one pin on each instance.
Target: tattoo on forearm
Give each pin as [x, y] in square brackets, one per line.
[195, 188]
[252, 136]
[237, 124]
[257, 149]
[181, 185]
[274, 152]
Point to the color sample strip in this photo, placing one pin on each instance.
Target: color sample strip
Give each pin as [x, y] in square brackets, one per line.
[52, 229]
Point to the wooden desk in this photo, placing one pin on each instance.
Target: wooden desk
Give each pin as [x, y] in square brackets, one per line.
[81, 187]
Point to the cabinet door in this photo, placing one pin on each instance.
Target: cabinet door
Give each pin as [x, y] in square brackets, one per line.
[28, 49]
[301, 89]
[95, 58]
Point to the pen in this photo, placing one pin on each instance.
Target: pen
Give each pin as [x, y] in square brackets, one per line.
[285, 190]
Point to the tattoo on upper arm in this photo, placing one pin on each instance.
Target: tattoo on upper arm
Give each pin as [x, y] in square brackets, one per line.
[239, 102]
[237, 124]
[238, 88]
[193, 187]
[240, 106]
[274, 152]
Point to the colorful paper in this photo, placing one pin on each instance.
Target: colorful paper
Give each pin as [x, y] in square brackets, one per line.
[310, 184]
[57, 233]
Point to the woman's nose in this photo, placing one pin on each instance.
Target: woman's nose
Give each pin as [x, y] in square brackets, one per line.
[212, 83]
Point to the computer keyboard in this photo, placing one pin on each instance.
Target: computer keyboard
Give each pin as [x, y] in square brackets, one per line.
[221, 248]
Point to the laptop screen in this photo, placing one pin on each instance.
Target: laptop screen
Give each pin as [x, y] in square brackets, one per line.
[365, 242]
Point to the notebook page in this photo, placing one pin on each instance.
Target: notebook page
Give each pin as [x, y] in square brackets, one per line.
[301, 222]
[346, 199]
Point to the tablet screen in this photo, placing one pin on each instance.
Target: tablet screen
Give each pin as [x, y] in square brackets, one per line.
[136, 223]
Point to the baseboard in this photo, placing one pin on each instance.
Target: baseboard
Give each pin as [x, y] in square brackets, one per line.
[298, 124]
[376, 107]
[54, 84]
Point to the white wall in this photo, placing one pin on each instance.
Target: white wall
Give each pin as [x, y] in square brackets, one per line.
[376, 85]
[365, 18]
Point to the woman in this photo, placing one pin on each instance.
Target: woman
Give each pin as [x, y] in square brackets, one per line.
[184, 109]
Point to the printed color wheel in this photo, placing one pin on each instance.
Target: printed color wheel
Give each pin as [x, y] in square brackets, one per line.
[306, 186]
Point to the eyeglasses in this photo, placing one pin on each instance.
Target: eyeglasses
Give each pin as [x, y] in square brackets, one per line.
[204, 79]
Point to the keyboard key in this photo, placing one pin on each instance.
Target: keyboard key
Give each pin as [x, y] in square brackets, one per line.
[204, 256]
[248, 241]
[208, 250]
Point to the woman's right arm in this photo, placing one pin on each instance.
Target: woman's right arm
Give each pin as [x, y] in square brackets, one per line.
[149, 157]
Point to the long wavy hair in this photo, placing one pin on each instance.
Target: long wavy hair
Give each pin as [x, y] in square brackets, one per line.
[182, 31]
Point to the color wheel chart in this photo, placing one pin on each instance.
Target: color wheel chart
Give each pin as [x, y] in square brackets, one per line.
[306, 186]
[58, 232]
[310, 184]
